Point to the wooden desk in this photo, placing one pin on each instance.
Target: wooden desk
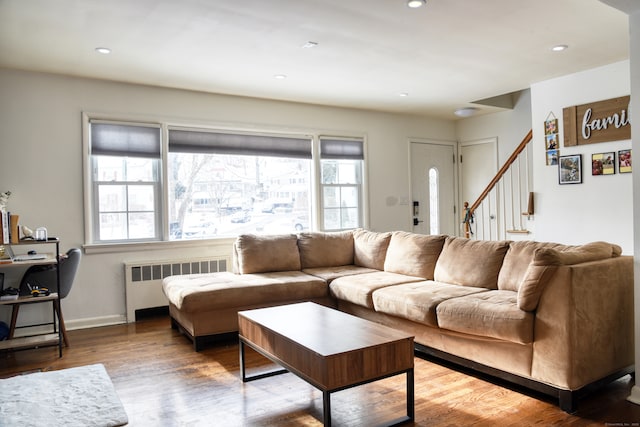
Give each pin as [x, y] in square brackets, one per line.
[41, 340]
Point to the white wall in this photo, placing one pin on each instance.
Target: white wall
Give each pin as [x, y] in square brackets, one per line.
[601, 208]
[509, 127]
[41, 163]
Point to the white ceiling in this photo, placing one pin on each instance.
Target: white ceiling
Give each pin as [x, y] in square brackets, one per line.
[444, 55]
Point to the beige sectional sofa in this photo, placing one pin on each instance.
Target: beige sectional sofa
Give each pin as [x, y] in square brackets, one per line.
[555, 318]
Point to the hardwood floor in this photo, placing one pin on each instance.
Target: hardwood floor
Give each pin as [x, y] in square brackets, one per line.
[161, 381]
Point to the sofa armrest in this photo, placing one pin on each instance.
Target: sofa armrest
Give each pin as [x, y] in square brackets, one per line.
[584, 323]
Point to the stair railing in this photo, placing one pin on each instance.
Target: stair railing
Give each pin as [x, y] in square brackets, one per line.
[500, 209]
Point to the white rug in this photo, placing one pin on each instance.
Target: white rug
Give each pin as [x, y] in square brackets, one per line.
[80, 397]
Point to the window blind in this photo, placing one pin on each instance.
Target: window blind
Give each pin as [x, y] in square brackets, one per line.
[115, 139]
[338, 148]
[193, 141]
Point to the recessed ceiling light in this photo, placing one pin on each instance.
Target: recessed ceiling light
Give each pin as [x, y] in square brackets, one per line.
[414, 4]
[466, 111]
[403, 94]
[559, 48]
[280, 76]
[309, 45]
[103, 50]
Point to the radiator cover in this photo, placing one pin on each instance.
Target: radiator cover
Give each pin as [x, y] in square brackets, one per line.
[143, 279]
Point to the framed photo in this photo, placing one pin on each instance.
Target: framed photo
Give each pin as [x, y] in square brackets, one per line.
[551, 126]
[552, 141]
[552, 157]
[603, 163]
[570, 169]
[624, 161]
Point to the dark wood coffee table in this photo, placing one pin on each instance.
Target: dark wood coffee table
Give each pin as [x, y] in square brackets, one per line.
[329, 349]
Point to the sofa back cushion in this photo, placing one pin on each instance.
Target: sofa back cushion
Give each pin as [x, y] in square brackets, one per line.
[547, 259]
[325, 249]
[521, 254]
[413, 254]
[370, 248]
[264, 254]
[516, 262]
[469, 262]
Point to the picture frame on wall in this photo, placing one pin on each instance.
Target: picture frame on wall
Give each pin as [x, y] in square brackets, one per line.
[551, 125]
[552, 157]
[570, 169]
[603, 163]
[624, 161]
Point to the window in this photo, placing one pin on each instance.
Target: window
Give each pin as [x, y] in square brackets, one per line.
[341, 183]
[434, 202]
[225, 184]
[125, 165]
[204, 183]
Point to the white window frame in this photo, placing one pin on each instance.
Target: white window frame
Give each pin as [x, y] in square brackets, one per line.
[91, 184]
[343, 148]
[94, 246]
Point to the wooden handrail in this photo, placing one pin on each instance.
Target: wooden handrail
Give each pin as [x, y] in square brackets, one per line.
[527, 139]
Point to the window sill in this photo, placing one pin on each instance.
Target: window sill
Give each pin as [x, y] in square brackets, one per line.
[103, 248]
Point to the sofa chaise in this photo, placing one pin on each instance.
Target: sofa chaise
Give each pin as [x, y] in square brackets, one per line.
[555, 318]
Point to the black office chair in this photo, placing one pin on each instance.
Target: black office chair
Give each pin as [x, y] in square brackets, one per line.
[44, 276]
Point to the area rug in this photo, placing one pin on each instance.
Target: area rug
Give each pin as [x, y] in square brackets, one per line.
[81, 397]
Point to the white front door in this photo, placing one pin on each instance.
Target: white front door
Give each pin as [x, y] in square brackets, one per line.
[433, 187]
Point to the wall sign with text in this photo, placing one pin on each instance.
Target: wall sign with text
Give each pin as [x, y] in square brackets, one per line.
[602, 121]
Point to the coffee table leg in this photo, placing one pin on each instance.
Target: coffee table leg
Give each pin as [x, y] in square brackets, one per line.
[242, 371]
[410, 396]
[326, 408]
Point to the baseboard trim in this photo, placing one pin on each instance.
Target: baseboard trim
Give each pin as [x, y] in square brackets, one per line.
[95, 322]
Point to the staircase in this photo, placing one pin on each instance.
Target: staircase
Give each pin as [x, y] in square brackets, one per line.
[505, 207]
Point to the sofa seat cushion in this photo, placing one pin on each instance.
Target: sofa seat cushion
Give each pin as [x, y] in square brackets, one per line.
[492, 314]
[318, 249]
[469, 262]
[413, 254]
[358, 288]
[418, 301]
[206, 292]
[331, 273]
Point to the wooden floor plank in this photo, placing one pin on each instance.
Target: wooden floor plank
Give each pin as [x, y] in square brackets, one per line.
[162, 381]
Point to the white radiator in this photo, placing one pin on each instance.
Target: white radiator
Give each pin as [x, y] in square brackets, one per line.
[143, 279]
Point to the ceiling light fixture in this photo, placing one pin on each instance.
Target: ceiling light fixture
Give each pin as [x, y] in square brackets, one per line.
[559, 48]
[280, 76]
[404, 94]
[103, 50]
[309, 45]
[466, 111]
[414, 4]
